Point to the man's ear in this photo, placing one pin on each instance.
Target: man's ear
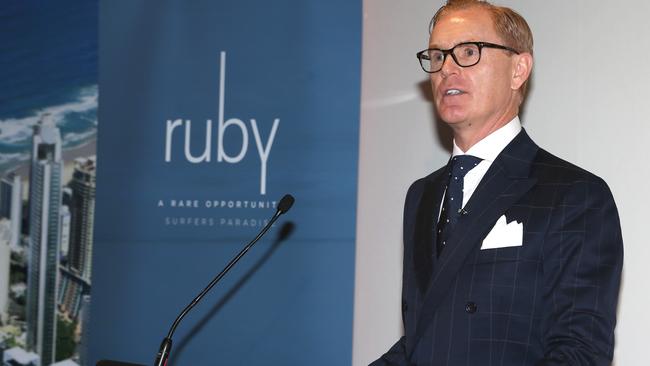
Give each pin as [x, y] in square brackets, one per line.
[523, 65]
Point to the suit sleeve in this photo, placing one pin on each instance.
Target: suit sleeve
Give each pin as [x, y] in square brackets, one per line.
[583, 259]
[396, 356]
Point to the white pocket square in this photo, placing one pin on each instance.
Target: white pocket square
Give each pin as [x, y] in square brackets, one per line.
[504, 235]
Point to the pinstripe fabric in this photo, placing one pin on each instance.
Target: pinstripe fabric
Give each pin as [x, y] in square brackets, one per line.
[551, 301]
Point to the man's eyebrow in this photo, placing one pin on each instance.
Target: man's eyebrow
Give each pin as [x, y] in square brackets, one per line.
[437, 46]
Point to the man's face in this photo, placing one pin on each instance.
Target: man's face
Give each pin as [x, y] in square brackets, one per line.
[486, 98]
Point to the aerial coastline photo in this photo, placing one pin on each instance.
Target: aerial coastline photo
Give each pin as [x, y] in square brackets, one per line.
[48, 131]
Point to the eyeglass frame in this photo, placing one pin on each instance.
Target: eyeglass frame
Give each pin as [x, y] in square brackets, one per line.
[450, 51]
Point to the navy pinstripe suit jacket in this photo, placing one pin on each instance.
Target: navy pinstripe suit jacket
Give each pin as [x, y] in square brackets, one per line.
[551, 301]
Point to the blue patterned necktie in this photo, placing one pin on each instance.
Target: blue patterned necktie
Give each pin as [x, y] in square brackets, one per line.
[460, 165]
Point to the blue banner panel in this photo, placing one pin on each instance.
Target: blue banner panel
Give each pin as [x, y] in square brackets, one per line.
[211, 112]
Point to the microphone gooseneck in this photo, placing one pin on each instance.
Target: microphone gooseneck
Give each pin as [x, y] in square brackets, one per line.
[166, 345]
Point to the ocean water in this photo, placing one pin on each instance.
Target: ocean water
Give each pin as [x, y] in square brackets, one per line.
[48, 66]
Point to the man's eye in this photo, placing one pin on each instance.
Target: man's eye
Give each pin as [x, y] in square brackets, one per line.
[437, 56]
[468, 51]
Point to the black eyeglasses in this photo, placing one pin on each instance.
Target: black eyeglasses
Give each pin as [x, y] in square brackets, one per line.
[465, 54]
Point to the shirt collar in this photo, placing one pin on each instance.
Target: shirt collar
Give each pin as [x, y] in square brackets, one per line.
[491, 145]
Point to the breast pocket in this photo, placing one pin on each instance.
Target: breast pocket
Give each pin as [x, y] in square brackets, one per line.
[506, 254]
[511, 241]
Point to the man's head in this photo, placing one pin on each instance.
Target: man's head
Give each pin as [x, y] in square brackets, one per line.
[492, 89]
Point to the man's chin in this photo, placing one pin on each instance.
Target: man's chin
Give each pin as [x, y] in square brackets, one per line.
[452, 115]
[453, 120]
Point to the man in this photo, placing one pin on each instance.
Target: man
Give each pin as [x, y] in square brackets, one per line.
[512, 256]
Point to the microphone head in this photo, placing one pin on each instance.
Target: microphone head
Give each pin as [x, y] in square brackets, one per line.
[285, 203]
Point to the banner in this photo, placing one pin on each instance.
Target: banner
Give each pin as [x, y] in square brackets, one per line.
[210, 112]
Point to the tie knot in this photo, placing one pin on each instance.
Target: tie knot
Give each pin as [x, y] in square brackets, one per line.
[462, 164]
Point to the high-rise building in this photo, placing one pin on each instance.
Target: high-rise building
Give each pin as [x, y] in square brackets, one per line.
[71, 290]
[79, 196]
[83, 342]
[65, 231]
[44, 237]
[6, 188]
[82, 213]
[11, 204]
[5, 255]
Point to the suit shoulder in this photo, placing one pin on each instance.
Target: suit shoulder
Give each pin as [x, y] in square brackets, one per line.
[552, 169]
[420, 184]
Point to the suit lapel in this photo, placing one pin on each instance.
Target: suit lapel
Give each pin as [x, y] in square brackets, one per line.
[506, 181]
[424, 256]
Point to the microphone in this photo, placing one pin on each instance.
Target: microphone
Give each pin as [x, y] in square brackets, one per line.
[166, 345]
[285, 203]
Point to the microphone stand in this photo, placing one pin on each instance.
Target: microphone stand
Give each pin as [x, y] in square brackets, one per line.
[166, 345]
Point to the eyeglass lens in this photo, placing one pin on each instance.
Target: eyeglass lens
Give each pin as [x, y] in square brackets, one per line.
[463, 54]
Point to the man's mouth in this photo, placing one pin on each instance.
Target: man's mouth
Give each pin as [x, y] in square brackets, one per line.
[454, 92]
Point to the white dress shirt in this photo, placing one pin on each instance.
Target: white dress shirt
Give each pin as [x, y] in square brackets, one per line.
[487, 149]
